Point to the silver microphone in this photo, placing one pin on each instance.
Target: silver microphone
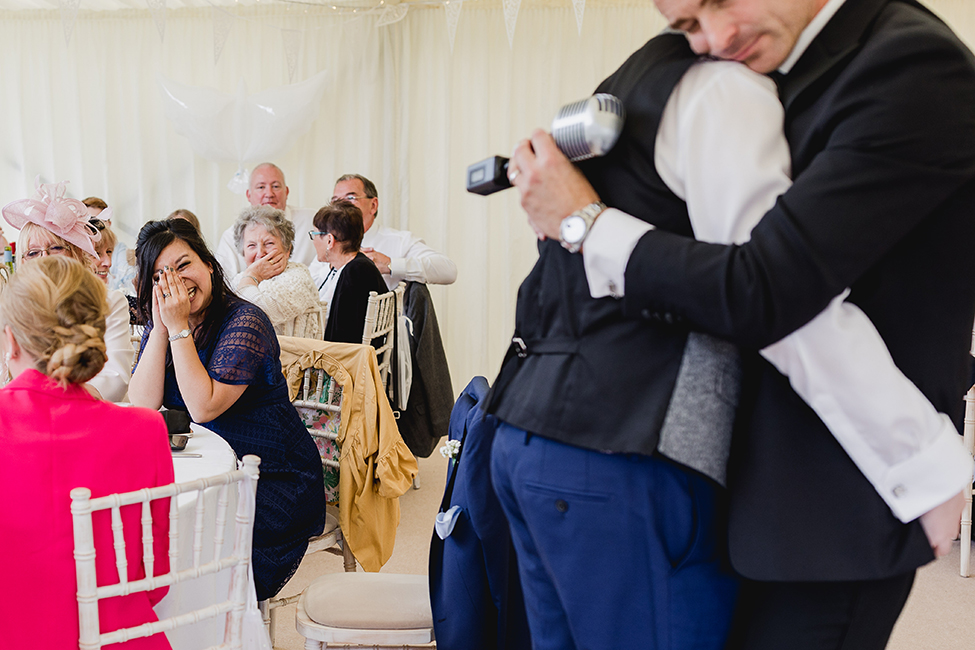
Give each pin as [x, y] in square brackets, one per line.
[588, 128]
[582, 130]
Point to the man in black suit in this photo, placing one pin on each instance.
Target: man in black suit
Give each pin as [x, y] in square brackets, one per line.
[876, 94]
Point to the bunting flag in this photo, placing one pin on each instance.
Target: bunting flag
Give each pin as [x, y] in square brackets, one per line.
[452, 10]
[292, 45]
[580, 7]
[223, 23]
[392, 14]
[511, 8]
[69, 13]
[157, 8]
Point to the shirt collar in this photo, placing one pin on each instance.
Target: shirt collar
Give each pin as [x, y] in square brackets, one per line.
[809, 34]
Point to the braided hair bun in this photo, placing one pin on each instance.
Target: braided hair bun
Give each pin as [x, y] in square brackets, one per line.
[56, 308]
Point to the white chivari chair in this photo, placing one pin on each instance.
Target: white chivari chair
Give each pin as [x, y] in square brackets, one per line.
[304, 324]
[89, 593]
[320, 405]
[966, 515]
[370, 609]
[382, 314]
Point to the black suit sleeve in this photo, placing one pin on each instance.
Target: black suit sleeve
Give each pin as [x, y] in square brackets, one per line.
[899, 145]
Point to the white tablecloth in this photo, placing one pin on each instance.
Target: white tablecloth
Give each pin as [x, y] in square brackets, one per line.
[217, 458]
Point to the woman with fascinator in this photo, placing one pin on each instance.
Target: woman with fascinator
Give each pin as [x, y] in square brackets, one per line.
[52, 224]
[211, 353]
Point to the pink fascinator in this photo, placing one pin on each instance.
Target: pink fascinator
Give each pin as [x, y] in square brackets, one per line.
[49, 209]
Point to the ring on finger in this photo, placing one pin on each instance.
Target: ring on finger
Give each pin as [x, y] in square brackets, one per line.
[166, 295]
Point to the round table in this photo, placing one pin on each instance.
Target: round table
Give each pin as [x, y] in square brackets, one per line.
[216, 457]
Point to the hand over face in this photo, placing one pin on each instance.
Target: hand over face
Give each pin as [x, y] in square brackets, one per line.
[551, 187]
[170, 302]
[381, 261]
[268, 266]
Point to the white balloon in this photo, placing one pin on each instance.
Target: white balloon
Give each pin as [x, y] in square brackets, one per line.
[242, 128]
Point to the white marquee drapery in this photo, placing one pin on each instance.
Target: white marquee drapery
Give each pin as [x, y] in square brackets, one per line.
[401, 106]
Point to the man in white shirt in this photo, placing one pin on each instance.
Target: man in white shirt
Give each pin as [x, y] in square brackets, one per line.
[267, 187]
[398, 254]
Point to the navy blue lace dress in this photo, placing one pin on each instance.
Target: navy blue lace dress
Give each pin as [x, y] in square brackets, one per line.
[290, 492]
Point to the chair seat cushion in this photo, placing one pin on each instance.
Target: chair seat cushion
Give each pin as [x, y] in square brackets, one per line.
[369, 601]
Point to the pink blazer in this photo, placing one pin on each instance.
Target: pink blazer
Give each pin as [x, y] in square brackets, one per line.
[51, 441]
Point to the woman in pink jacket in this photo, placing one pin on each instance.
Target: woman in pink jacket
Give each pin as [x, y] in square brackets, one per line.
[55, 436]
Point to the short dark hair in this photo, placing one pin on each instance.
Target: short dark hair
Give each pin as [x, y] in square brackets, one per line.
[154, 237]
[342, 220]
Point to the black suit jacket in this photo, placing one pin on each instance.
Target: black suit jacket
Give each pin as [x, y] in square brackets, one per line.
[880, 122]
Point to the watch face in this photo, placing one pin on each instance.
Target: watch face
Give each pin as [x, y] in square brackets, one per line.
[573, 229]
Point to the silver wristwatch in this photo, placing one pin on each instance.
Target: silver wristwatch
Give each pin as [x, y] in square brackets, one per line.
[184, 334]
[575, 228]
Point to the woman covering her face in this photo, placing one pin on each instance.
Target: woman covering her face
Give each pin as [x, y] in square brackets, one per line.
[215, 355]
[282, 288]
[56, 437]
[52, 224]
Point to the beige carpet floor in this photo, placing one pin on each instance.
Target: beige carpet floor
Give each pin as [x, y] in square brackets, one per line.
[940, 614]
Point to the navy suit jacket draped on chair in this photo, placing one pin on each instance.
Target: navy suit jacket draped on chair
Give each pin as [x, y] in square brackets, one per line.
[474, 590]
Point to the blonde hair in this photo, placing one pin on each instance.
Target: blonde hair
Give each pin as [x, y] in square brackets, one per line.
[56, 309]
[23, 242]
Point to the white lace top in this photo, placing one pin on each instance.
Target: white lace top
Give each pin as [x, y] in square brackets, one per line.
[289, 299]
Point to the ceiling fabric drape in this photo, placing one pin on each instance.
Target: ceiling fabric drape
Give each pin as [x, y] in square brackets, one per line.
[399, 107]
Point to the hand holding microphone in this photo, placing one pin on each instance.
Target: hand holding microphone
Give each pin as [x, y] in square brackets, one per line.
[581, 130]
[551, 186]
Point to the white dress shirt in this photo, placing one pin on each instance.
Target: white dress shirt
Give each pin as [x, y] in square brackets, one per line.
[410, 258]
[113, 380]
[232, 261]
[729, 165]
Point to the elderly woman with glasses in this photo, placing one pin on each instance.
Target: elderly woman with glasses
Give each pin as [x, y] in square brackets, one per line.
[352, 275]
[281, 288]
[51, 224]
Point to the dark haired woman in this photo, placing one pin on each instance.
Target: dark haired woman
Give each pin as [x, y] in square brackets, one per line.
[352, 276]
[215, 355]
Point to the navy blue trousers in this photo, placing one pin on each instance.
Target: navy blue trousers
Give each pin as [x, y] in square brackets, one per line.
[614, 550]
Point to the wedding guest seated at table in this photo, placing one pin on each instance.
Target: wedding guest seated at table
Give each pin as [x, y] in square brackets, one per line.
[183, 213]
[215, 355]
[352, 275]
[51, 224]
[122, 273]
[56, 437]
[104, 248]
[282, 288]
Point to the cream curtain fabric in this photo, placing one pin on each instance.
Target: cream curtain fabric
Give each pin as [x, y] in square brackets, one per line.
[399, 107]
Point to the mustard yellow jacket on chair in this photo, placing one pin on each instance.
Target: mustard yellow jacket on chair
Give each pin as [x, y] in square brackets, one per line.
[375, 465]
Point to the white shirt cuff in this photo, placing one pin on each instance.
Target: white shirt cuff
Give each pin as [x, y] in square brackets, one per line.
[926, 480]
[397, 268]
[607, 250]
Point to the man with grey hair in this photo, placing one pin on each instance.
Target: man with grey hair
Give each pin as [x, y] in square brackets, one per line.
[396, 253]
[283, 289]
[267, 187]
